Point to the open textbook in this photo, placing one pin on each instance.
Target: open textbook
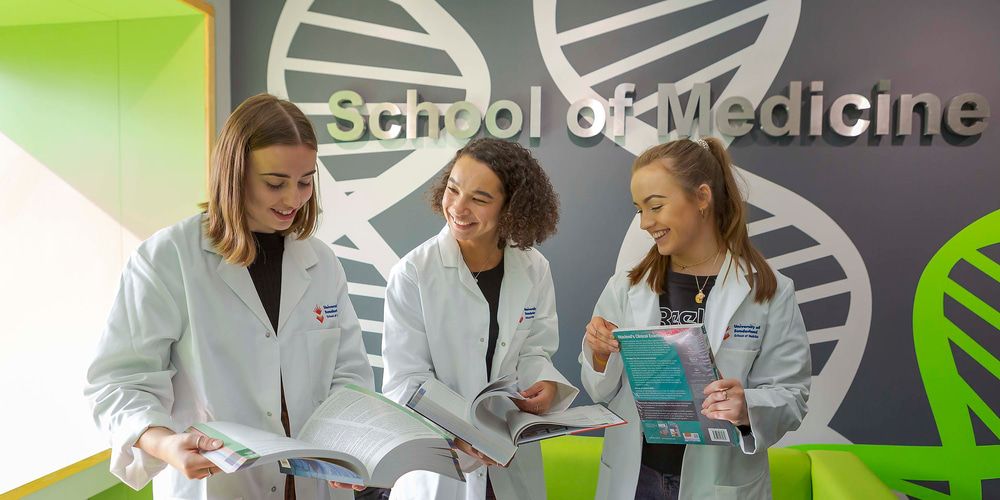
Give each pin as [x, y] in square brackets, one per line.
[497, 436]
[668, 368]
[356, 436]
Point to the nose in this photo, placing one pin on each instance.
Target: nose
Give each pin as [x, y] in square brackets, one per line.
[460, 205]
[645, 221]
[292, 197]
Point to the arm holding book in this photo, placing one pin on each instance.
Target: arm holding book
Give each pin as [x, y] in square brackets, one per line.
[547, 389]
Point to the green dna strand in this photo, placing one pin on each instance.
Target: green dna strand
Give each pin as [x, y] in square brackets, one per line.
[960, 461]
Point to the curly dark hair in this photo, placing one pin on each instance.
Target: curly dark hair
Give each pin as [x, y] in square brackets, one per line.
[531, 206]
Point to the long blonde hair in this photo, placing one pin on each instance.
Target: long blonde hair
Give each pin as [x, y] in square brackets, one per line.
[693, 165]
[260, 121]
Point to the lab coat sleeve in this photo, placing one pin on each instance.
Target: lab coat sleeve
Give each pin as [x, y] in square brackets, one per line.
[405, 349]
[129, 386]
[778, 382]
[602, 387]
[352, 360]
[534, 362]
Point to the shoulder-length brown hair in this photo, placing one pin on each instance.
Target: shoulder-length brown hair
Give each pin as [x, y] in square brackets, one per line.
[693, 165]
[531, 206]
[260, 121]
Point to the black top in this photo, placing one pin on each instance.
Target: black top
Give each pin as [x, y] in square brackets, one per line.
[265, 271]
[489, 282]
[677, 306]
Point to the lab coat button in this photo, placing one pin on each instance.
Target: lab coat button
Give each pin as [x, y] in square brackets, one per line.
[503, 344]
[269, 414]
[482, 339]
[274, 488]
[267, 334]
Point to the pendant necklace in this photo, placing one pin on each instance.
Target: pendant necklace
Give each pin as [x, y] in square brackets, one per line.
[700, 296]
[475, 276]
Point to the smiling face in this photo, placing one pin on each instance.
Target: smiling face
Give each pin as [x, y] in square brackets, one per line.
[279, 183]
[672, 215]
[472, 202]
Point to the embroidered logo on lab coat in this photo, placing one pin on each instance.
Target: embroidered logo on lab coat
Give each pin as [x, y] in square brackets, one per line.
[746, 331]
[325, 312]
[330, 311]
[529, 313]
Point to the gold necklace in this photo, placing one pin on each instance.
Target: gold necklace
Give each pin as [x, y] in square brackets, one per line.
[700, 296]
[476, 275]
[683, 267]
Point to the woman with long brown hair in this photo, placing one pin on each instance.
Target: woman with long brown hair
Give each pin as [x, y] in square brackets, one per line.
[233, 314]
[701, 268]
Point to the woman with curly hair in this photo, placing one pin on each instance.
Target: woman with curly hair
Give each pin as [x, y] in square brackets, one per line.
[476, 303]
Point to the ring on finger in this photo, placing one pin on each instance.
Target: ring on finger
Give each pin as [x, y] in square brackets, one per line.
[725, 395]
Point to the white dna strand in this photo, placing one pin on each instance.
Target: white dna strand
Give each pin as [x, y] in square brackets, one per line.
[351, 204]
[755, 68]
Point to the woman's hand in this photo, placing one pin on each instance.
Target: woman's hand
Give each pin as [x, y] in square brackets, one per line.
[467, 448]
[345, 486]
[601, 341]
[538, 397]
[181, 451]
[725, 400]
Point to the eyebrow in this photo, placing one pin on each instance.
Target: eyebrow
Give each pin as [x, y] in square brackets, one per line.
[479, 192]
[650, 197]
[286, 176]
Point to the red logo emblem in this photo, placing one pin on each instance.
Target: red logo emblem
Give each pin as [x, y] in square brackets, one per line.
[726, 336]
[319, 314]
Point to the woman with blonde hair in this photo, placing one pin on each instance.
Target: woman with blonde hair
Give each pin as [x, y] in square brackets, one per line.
[701, 268]
[233, 314]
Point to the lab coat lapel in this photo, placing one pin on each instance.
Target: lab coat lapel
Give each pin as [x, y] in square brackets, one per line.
[645, 304]
[451, 256]
[238, 279]
[514, 293]
[730, 290]
[298, 257]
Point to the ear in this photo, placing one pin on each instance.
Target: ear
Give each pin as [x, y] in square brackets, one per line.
[703, 196]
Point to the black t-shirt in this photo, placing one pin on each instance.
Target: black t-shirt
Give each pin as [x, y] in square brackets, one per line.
[677, 306]
[265, 272]
[489, 282]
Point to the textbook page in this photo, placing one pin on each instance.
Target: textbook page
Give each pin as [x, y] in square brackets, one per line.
[525, 427]
[369, 426]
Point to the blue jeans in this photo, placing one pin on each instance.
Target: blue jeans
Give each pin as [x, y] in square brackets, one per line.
[655, 486]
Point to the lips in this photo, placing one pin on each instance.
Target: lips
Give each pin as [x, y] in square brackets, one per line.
[659, 235]
[284, 216]
[460, 224]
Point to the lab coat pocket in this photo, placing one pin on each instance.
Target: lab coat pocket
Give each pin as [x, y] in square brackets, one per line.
[323, 346]
[735, 363]
[604, 480]
[758, 487]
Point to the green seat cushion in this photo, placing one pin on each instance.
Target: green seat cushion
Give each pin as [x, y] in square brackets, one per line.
[840, 474]
[791, 474]
[572, 464]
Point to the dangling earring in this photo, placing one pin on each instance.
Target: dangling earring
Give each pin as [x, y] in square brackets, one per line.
[702, 212]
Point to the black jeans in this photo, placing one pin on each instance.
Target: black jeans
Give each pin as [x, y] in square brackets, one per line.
[656, 486]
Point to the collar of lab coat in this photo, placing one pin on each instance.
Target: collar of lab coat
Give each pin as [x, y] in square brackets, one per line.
[296, 260]
[730, 290]
[517, 283]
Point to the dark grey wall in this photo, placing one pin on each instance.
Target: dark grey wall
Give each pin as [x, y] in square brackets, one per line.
[898, 200]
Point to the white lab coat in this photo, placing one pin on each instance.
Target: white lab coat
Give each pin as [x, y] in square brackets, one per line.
[188, 341]
[437, 325]
[774, 368]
